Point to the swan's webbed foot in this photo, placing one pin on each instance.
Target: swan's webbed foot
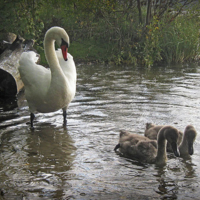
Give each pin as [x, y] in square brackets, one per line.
[64, 117]
[32, 117]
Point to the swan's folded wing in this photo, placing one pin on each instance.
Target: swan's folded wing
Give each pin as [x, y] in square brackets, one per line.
[30, 72]
[68, 68]
[147, 150]
[68, 65]
[29, 56]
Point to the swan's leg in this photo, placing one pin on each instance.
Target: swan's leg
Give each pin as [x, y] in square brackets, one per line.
[32, 116]
[64, 117]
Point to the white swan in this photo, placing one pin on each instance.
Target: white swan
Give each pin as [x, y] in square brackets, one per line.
[146, 150]
[185, 140]
[49, 90]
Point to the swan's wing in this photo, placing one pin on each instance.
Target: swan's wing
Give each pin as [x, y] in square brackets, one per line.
[30, 72]
[28, 57]
[68, 66]
[35, 77]
[147, 151]
[69, 70]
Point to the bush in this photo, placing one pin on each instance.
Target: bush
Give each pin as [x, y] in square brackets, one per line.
[108, 30]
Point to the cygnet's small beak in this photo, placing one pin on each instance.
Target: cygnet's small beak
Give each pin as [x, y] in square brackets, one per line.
[190, 148]
[175, 149]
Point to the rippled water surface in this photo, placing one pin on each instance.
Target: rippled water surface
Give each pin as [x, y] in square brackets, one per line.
[78, 162]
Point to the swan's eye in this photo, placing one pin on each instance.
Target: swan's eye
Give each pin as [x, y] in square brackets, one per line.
[64, 43]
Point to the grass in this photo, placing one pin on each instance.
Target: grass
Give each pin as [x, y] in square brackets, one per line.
[91, 50]
[180, 42]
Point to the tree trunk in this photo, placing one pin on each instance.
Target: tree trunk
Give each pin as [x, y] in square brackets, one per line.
[148, 17]
[139, 10]
[10, 80]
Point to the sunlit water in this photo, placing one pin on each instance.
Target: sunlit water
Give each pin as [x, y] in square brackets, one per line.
[78, 162]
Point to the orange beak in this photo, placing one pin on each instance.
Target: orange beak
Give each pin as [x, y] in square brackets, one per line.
[64, 51]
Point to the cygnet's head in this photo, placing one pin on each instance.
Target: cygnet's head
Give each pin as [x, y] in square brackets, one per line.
[190, 134]
[171, 135]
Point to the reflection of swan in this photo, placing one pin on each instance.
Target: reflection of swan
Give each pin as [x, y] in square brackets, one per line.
[144, 149]
[186, 146]
[49, 90]
[185, 140]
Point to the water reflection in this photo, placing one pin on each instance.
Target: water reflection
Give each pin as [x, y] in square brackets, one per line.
[185, 173]
[79, 162]
[36, 162]
[8, 104]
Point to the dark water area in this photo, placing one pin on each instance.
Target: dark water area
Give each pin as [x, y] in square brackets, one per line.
[78, 161]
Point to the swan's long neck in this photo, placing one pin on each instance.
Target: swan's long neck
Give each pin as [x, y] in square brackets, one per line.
[58, 79]
[183, 148]
[161, 157]
[49, 49]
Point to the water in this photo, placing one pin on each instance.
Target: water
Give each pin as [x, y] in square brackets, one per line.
[78, 162]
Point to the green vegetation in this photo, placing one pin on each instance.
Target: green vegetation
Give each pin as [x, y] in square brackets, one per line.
[112, 31]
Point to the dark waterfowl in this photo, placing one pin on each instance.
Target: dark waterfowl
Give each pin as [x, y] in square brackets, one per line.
[147, 150]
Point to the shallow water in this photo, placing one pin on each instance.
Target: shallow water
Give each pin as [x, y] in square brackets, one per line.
[78, 162]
